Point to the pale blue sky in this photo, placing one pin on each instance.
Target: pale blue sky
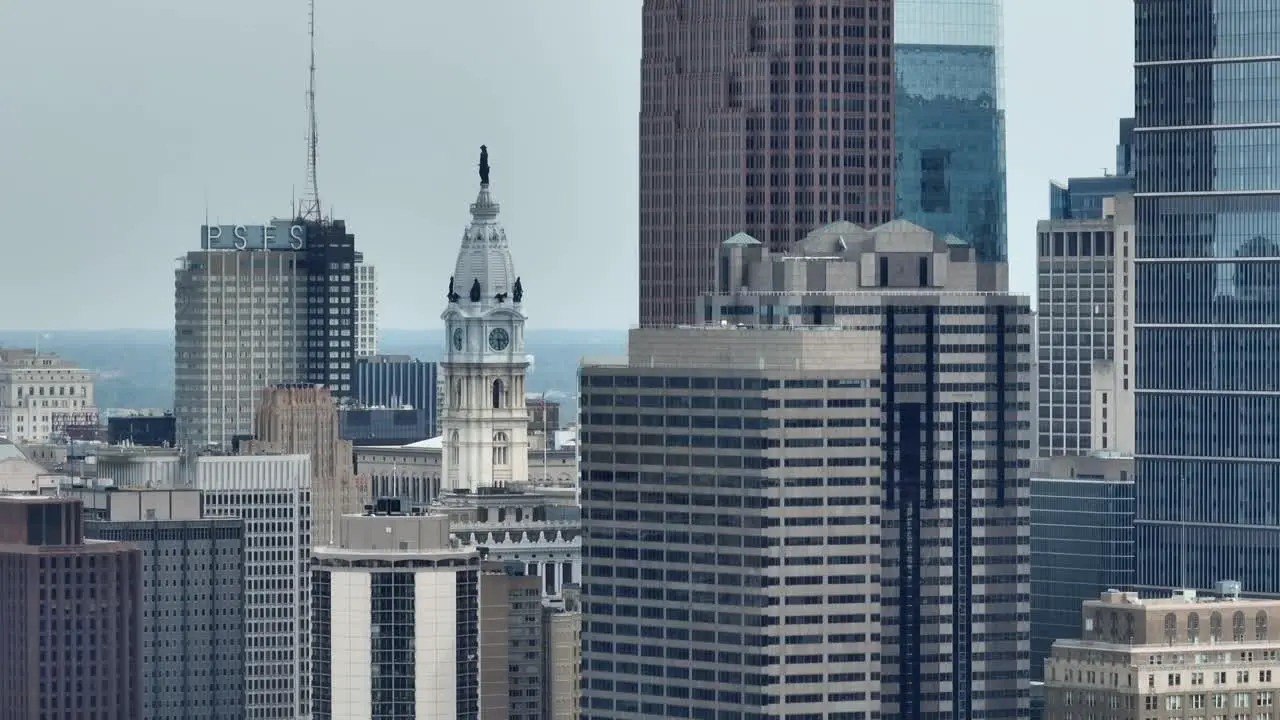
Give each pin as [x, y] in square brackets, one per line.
[120, 121]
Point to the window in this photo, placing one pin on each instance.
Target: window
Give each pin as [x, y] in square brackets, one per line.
[499, 394]
[500, 447]
[453, 449]
[457, 394]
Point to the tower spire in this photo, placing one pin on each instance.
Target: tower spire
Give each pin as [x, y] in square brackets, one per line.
[310, 208]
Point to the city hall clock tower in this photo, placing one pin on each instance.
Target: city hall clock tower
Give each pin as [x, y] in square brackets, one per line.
[485, 422]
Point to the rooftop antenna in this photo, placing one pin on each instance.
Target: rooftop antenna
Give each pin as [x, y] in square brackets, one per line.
[310, 206]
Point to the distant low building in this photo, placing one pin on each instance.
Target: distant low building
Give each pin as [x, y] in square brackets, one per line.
[151, 430]
[43, 396]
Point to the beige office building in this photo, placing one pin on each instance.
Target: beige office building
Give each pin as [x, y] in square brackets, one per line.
[304, 420]
[1199, 658]
[814, 502]
[1086, 362]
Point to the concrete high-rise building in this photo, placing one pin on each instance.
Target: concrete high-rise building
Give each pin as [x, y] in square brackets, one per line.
[193, 602]
[1207, 312]
[396, 620]
[1186, 656]
[1085, 279]
[304, 421]
[70, 616]
[948, 120]
[485, 422]
[512, 647]
[562, 666]
[763, 117]
[1082, 542]
[366, 308]
[258, 306]
[831, 476]
[272, 495]
[43, 395]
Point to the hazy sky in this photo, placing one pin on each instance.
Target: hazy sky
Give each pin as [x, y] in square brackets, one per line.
[121, 121]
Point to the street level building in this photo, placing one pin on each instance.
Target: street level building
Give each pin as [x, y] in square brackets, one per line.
[70, 616]
[1185, 656]
[539, 529]
[817, 501]
[1085, 280]
[396, 620]
[193, 601]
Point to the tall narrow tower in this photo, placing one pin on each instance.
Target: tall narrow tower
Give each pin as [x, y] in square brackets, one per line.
[485, 421]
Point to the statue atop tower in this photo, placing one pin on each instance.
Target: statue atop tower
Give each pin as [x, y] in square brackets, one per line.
[484, 165]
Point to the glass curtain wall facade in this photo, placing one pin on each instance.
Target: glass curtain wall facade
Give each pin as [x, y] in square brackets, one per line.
[1208, 292]
[949, 120]
[1081, 545]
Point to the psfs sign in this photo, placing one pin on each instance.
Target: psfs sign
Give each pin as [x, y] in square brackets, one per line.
[279, 235]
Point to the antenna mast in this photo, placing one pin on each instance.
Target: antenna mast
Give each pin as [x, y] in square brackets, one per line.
[310, 208]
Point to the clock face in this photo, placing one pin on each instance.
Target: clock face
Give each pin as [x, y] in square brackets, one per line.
[457, 338]
[499, 339]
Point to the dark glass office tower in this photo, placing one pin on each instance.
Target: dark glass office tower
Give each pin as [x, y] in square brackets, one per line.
[330, 260]
[1208, 292]
[949, 120]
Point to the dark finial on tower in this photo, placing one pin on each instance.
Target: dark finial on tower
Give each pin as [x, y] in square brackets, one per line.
[484, 165]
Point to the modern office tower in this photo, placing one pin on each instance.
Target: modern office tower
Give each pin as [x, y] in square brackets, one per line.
[193, 616]
[258, 306]
[485, 422]
[271, 493]
[1081, 198]
[1207, 312]
[304, 421]
[1082, 542]
[1085, 280]
[1185, 656]
[42, 396]
[330, 265]
[562, 633]
[395, 381]
[70, 616]
[763, 117]
[512, 648]
[396, 620]
[782, 507]
[539, 529]
[366, 308]
[948, 120]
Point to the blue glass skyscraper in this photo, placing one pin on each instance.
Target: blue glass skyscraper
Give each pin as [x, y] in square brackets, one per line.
[1208, 292]
[949, 119]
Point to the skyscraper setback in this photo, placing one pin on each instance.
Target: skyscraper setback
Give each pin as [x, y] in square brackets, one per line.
[1207, 309]
[768, 118]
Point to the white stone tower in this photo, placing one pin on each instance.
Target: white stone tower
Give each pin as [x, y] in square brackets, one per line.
[485, 422]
